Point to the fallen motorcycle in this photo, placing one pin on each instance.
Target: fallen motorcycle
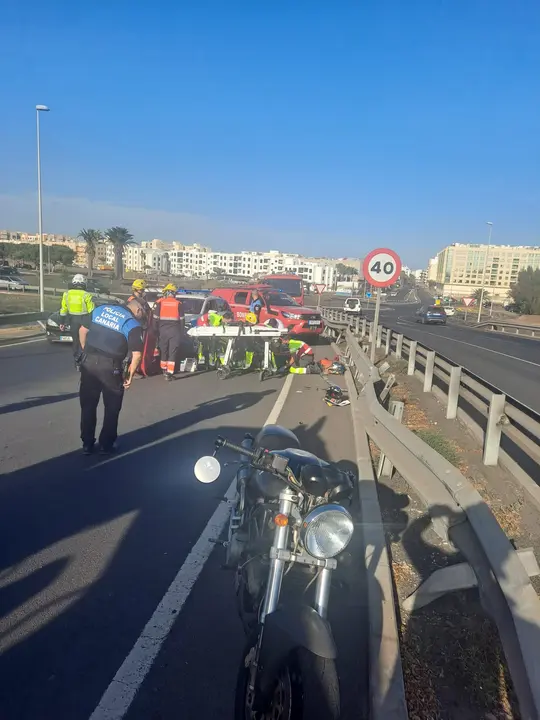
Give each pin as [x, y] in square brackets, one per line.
[288, 525]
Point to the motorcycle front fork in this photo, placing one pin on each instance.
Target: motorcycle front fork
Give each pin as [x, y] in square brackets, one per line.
[280, 556]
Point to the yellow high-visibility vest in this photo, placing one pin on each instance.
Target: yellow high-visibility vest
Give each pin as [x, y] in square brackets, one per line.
[76, 302]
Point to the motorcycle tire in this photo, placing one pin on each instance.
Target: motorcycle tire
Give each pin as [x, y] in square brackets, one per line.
[307, 688]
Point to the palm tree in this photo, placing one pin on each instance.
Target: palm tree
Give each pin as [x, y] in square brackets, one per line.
[120, 238]
[91, 238]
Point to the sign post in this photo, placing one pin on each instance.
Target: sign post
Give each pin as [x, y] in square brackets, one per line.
[382, 268]
[319, 289]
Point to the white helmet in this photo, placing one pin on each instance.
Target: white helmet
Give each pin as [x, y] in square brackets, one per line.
[79, 279]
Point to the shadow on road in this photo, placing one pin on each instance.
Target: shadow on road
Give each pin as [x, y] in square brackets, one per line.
[36, 402]
[146, 508]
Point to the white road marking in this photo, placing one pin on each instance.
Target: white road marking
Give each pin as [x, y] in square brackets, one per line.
[23, 342]
[480, 347]
[118, 697]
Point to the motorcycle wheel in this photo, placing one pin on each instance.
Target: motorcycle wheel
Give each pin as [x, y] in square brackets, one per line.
[264, 375]
[222, 373]
[307, 688]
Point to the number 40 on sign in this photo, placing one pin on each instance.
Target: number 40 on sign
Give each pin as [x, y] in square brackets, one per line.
[382, 267]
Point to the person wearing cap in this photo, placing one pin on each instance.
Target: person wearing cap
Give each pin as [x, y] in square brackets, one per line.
[77, 304]
[170, 316]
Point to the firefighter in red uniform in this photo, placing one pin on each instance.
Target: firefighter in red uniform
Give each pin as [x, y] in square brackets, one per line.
[170, 316]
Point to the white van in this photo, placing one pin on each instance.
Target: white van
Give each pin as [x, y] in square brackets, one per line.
[353, 305]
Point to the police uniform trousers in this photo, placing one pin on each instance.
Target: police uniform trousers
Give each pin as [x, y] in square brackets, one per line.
[170, 341]
[75, 322]
[100, 375]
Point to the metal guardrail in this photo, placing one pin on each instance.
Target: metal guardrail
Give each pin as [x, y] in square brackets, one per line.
[459, 513]
[508, 430]
[22, 318]
[511, 328]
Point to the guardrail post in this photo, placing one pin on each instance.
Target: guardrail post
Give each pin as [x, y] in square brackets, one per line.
[399, 346]
[364, 327]
[412, 357]
[492, 440]
[430, 364]
[371, 331]
[357, 325]
[453, 393]
[388, 342]
[379, 336]
[385, 468]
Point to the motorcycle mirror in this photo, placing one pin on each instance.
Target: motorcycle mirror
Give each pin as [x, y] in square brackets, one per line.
[207, 469]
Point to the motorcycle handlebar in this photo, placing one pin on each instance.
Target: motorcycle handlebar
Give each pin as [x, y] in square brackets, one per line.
[221, 442]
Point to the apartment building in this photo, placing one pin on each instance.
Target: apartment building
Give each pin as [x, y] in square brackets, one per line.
[460, 267]
[201, 261]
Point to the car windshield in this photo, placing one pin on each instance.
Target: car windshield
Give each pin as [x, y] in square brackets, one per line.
[192, 306]
[280, 300]
[352, 303]
[288, 285]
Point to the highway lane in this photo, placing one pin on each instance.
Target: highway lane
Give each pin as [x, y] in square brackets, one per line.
[509, 363]
[88, 546]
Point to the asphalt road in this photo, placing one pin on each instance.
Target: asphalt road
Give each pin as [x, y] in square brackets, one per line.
[509, 363]
[89, 546]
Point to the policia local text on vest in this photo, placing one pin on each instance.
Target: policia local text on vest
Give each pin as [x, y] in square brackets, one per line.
[107, 336]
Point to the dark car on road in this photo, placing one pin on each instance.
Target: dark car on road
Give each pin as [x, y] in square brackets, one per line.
[431, 315]
[52, 326]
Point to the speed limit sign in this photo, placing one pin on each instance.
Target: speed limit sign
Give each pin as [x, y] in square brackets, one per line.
[382, 267]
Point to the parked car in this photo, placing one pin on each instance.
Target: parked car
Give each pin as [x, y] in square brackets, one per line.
[353, 305]
[52, 328]
[449, 310]
[9, 281]
[298, 319]
[431, 315]
[195, 304]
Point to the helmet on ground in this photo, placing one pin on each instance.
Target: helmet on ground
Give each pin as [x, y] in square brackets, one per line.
[251, 318]
[170, 288]
[227, 315]
[79, 280]
[139, 284]
[273, 323]
[336, 368]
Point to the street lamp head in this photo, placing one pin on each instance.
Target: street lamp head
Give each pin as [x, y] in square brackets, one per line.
[43, 108]
[489, 223]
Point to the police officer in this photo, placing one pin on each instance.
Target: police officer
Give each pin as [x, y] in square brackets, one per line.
[107, 336]
[170, 316]
[256, 304]
[77, 304]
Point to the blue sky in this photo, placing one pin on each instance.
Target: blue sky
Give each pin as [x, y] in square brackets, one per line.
[317, 127]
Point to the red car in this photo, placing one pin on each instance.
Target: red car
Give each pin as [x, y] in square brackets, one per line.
[299, 320]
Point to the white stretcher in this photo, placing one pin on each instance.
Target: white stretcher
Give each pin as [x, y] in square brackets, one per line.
[233, 332]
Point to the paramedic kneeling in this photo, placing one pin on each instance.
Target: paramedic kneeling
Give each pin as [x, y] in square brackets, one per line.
[109, 334]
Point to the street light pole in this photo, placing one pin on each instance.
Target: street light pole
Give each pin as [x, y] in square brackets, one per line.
[484, 274]
[40, 108]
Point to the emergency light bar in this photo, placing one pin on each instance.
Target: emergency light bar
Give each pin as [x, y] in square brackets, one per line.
[185, 291]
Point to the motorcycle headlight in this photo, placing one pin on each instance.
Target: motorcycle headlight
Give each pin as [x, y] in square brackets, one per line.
[326, 531]
[52, 323]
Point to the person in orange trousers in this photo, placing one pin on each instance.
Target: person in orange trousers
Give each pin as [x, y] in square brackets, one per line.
[170, 317]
